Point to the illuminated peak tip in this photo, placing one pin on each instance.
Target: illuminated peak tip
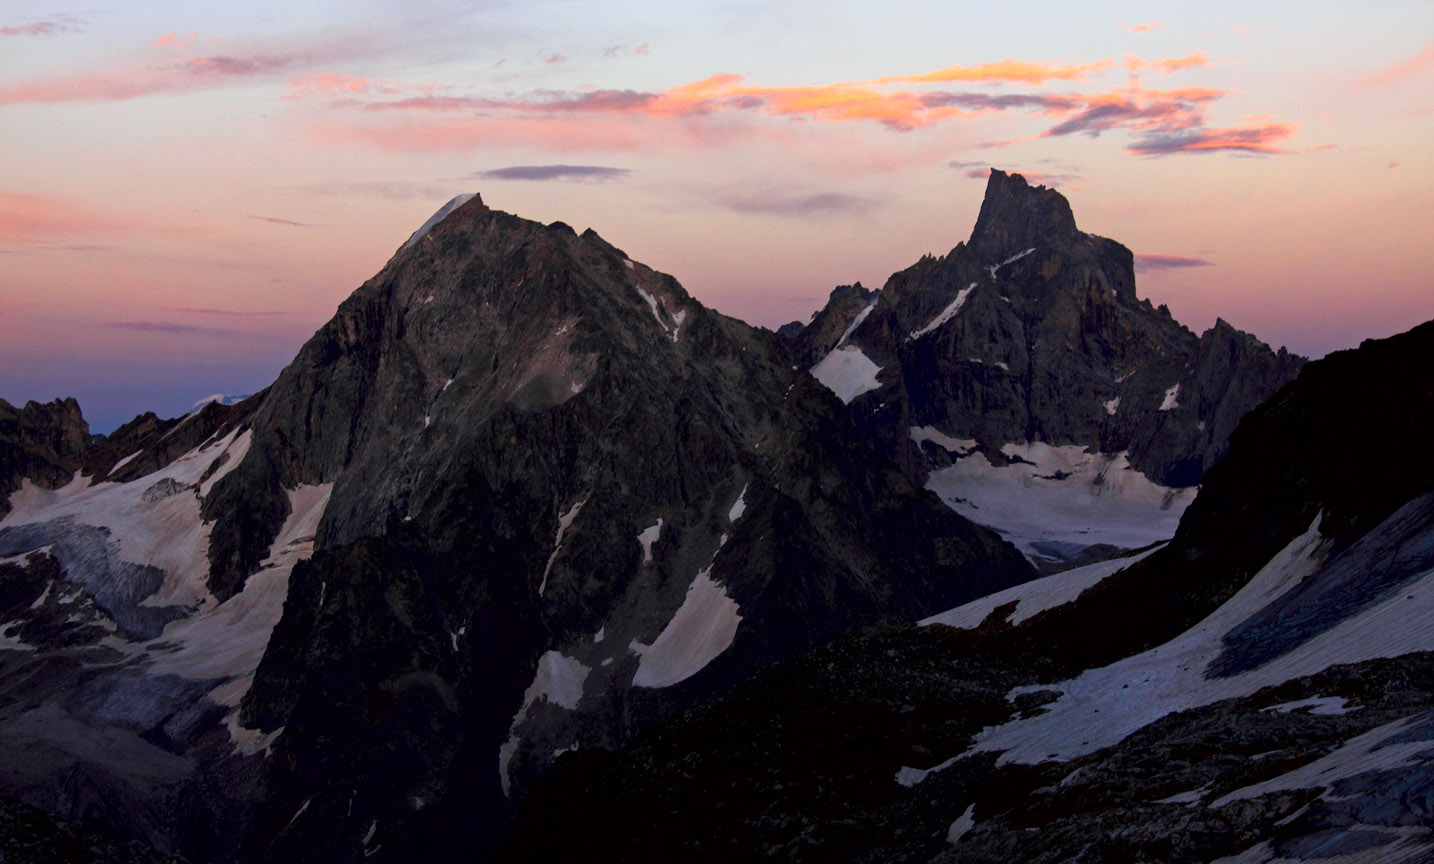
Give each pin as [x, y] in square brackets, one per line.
[442, 213]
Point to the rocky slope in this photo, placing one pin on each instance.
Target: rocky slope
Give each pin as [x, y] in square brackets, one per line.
[1028, 345]
[549, 499]
[1257, 690]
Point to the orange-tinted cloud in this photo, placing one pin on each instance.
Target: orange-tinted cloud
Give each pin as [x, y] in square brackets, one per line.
[1410, 68]
[1145, 28]
[1171, 120]
[1195, 60]
[1003, 71]
[1260, 138]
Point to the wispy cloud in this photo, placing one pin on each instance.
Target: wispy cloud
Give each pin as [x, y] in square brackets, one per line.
[169, 327]
[49, 27]
[1194, 60]
[277, 221]
[1149, 262]
[1401, 70]
[234, 313]
[1262, 138]
[801, 206]
[1145, 28]
[163, 72]
[579, 173]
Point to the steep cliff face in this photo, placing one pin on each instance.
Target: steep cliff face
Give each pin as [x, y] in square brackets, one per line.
[1028, 339]
[42, 443]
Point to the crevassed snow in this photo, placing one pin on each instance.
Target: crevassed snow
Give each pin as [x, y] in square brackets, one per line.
[739, 507]
[559, 679]
[847, 372]
[1100, 500]
[565, 521]
[647, 537]
[1035, 596]
[941, 439]
[946, 314]
[453, 204]
[856, 322]
[1170, 401]
[703, 627]
[167, 533]
[1111, 406]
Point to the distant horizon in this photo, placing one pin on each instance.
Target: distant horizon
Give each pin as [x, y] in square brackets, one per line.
[189, 192]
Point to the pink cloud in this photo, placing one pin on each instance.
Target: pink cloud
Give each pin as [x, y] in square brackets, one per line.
[54, 27]
[1145, 28]
[32, 218]
[1401, 70]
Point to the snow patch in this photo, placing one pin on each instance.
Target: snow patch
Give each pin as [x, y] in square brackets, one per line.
[946, 314]
[1103, 706]
[559, 679]
[856, 322]
[1112, 405]
[1315, 704]
[453, 204]
[565, 522]
[1375, 750]
[739, 507]
[994, 268]
[627, 262]
[647, 537]
[847, 372]
[1035, 596]
[1062, 495]
[961, 446]
[226, 641]
[1170, 398]
[703, 627]
[965, 822]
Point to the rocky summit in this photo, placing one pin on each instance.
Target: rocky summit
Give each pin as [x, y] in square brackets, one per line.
[1027, 348]
[521, 496]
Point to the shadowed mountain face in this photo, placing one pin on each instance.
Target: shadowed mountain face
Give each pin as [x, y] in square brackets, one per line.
[1032, 331]
[1257, 688]
[549, 498]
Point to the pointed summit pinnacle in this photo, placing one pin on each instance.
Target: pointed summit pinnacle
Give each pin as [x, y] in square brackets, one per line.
[1016, 215]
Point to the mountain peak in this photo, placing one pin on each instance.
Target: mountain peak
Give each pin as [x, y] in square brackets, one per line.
[1016, 215]
[442, 213]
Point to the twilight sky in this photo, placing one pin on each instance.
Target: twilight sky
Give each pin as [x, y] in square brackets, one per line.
[188, 190]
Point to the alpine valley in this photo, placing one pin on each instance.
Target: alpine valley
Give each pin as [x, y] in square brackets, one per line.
[530, 556]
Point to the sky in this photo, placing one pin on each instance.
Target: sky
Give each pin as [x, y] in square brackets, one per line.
[188, 190]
